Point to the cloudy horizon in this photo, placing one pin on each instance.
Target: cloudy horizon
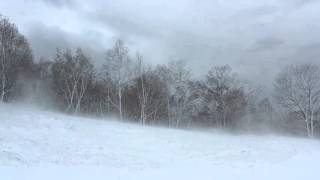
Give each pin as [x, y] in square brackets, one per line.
[254, 38]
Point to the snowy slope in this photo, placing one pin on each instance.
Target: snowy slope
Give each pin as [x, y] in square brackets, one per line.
[44, 145]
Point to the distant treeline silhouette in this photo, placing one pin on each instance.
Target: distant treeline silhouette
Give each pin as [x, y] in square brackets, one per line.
[129, 88]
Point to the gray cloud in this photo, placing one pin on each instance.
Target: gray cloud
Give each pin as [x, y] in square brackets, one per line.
[122, 25]
[308, 53]
[259, 11]
[301, 3]
[266, 43]
[253, 36]
[45, 40]
[60, 3]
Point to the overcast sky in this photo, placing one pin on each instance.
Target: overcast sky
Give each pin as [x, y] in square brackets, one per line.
[255, 37]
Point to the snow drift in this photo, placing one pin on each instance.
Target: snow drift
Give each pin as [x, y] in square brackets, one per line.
[38, 144]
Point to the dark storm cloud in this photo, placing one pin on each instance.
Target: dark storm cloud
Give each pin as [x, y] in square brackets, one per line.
[262, 10]
[250, 35]
[124, 26]
[59, 3]
[308, 53]
[45, 40]
[301, 3]
[266, 43]
[311, 47]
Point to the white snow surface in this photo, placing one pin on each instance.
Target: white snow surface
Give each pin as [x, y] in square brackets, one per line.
[37, 145]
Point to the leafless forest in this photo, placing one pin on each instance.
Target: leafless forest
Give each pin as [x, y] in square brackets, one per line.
[129, 88]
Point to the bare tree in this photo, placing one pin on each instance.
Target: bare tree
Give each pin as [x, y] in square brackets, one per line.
[298, 89]
[144, 87]
[71, 74]
[226, 98]
[176, 80]
[118, 67]
[163, 72]
[178, 84]
[15, 56]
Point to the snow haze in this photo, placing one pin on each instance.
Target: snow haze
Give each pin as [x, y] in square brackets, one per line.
[44, 145]
[163, 89]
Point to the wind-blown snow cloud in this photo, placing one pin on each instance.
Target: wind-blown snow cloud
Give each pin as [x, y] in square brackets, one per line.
[252, 36]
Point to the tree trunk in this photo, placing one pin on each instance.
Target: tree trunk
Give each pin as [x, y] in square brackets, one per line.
[307, 127]
[120, 103]
[3, 73]
[3, 88]
[311, 125]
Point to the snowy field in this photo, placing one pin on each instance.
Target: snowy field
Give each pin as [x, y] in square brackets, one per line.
[37, 145]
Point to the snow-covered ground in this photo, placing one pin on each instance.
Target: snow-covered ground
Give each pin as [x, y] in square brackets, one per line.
[37, 145]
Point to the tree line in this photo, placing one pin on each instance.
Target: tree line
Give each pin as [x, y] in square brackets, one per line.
[131, 89]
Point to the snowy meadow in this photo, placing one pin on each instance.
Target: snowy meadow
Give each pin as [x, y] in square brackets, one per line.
[166, 89]
[45, 145]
